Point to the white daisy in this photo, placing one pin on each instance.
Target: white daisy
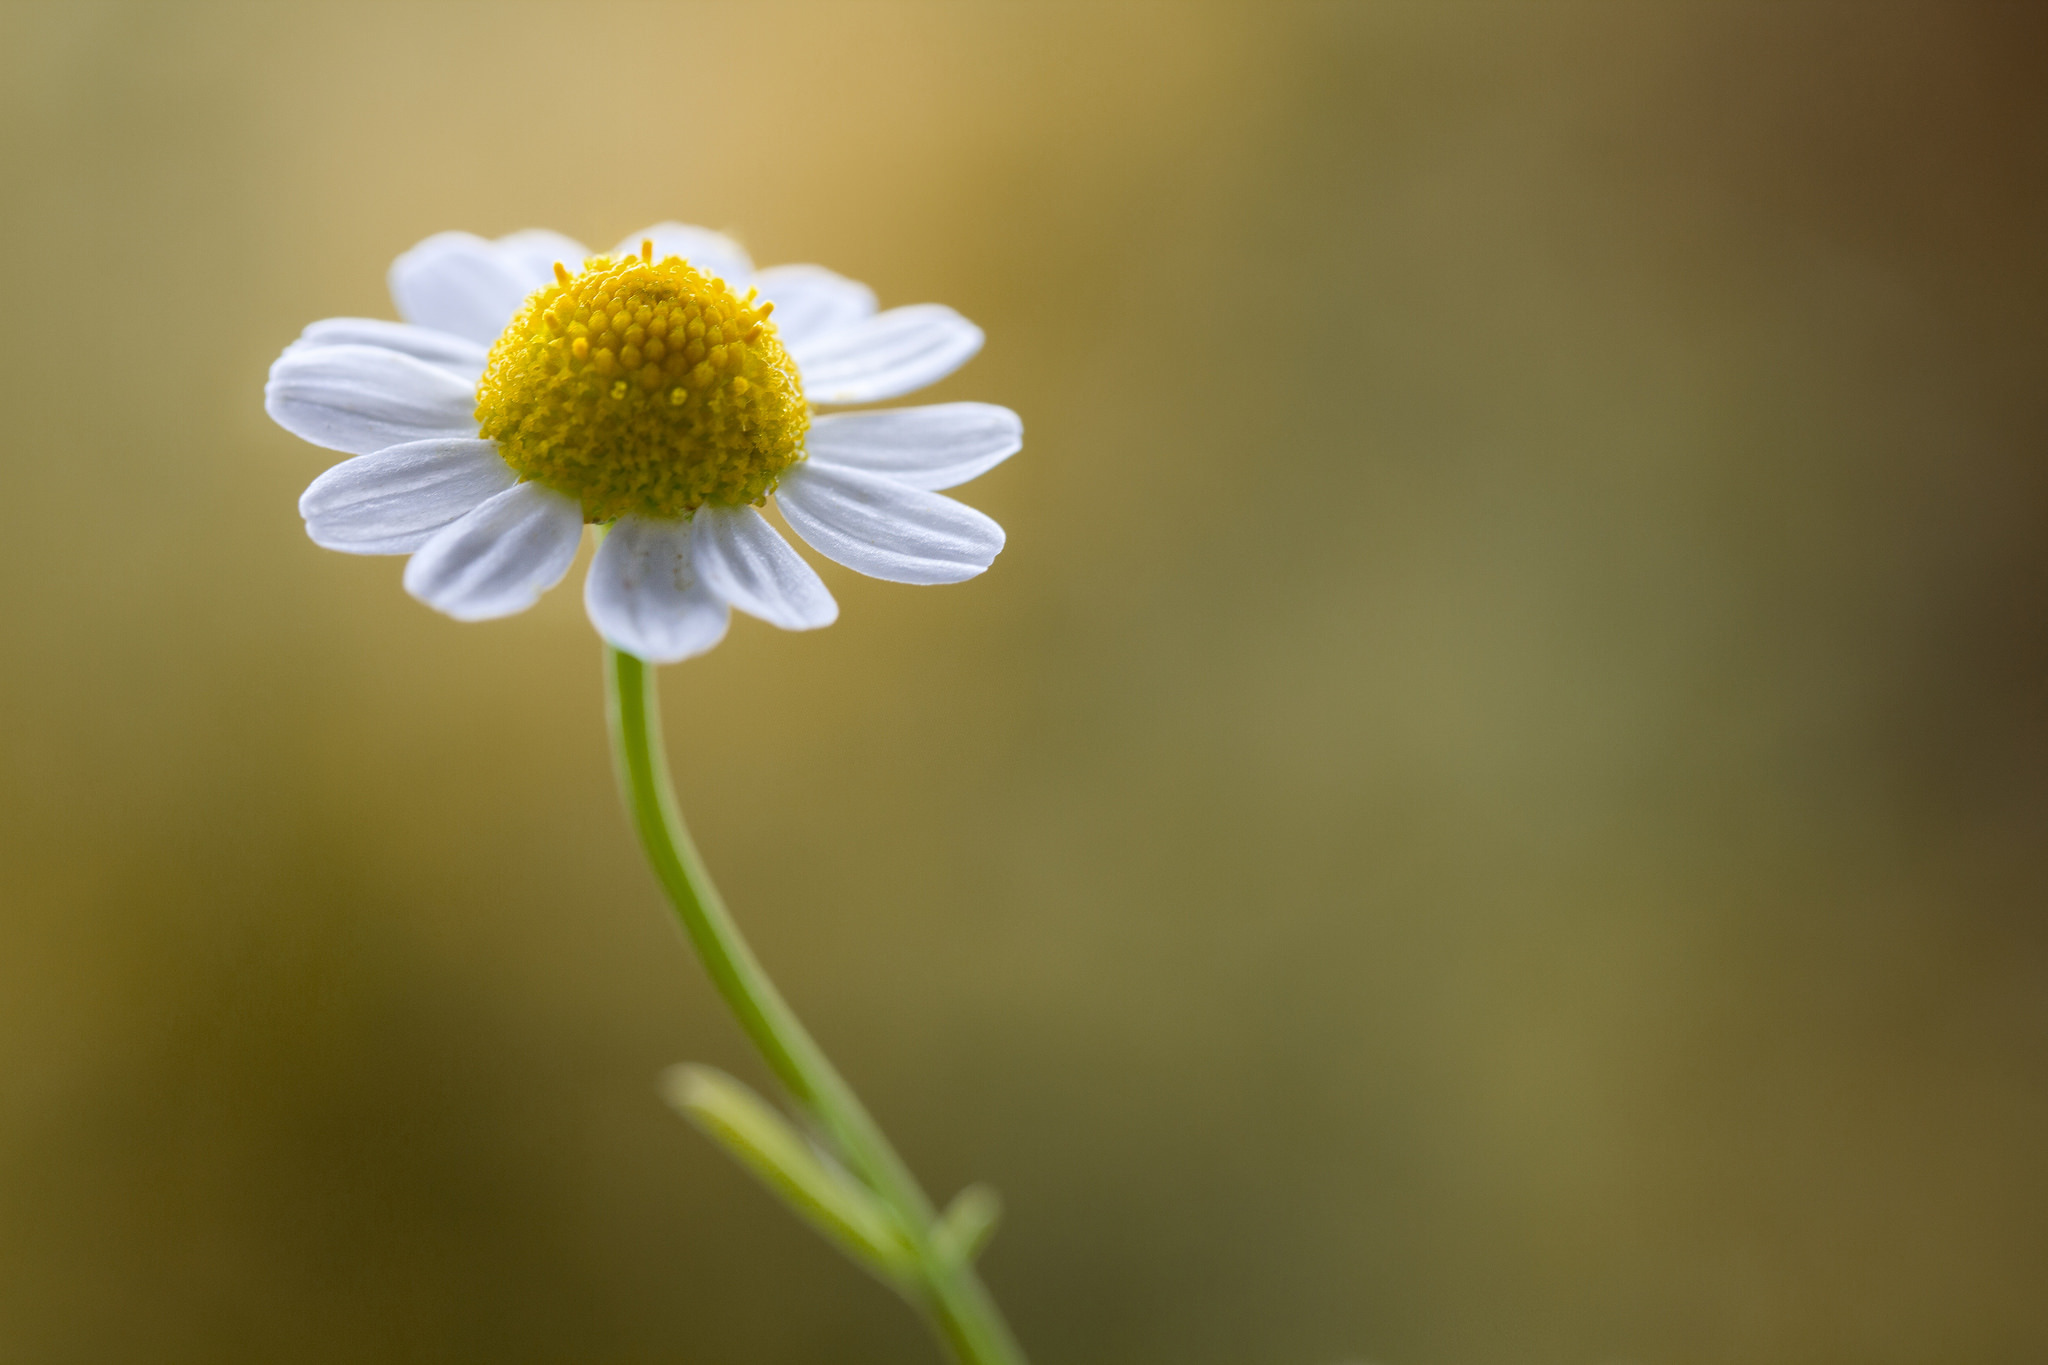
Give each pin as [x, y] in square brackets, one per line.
[647, 391]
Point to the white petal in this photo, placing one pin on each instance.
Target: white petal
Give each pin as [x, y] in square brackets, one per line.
[937, 446]
[458, 282]
[644, 596]
[887, 355]
[886, 529]
[392, 502]
[811, 301]
[532, 253]
[714, 253]
[499, 558]
[455, 354]
[364, 398]
[741, 558]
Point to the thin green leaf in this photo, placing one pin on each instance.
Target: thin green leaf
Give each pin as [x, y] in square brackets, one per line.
[817, 1188]
[968, 1222]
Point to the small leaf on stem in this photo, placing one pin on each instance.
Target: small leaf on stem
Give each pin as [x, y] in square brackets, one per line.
[968, 1222]
[817, 1188]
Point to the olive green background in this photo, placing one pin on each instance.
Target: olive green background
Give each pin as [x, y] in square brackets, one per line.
[1494, 810]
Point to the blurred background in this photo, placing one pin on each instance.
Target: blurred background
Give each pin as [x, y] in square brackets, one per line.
[1494, 810]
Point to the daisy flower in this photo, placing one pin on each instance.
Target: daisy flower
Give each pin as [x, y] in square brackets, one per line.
[647, 391]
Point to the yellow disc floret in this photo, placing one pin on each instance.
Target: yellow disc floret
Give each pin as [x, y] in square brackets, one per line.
[644, 386]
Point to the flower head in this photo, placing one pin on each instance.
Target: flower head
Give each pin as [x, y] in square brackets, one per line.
[644, 386]
[666, 390]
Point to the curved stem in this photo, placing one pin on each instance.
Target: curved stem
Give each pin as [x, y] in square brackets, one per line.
[951, 1292]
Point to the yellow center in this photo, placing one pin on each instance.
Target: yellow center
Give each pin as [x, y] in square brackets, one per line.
[644, 386]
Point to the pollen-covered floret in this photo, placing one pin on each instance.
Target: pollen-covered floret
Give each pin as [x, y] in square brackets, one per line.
[644, 386]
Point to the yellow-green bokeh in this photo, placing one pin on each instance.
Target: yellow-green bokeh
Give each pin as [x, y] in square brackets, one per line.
[1495, 808]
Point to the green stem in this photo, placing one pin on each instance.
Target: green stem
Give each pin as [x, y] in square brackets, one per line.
[951, 1293]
